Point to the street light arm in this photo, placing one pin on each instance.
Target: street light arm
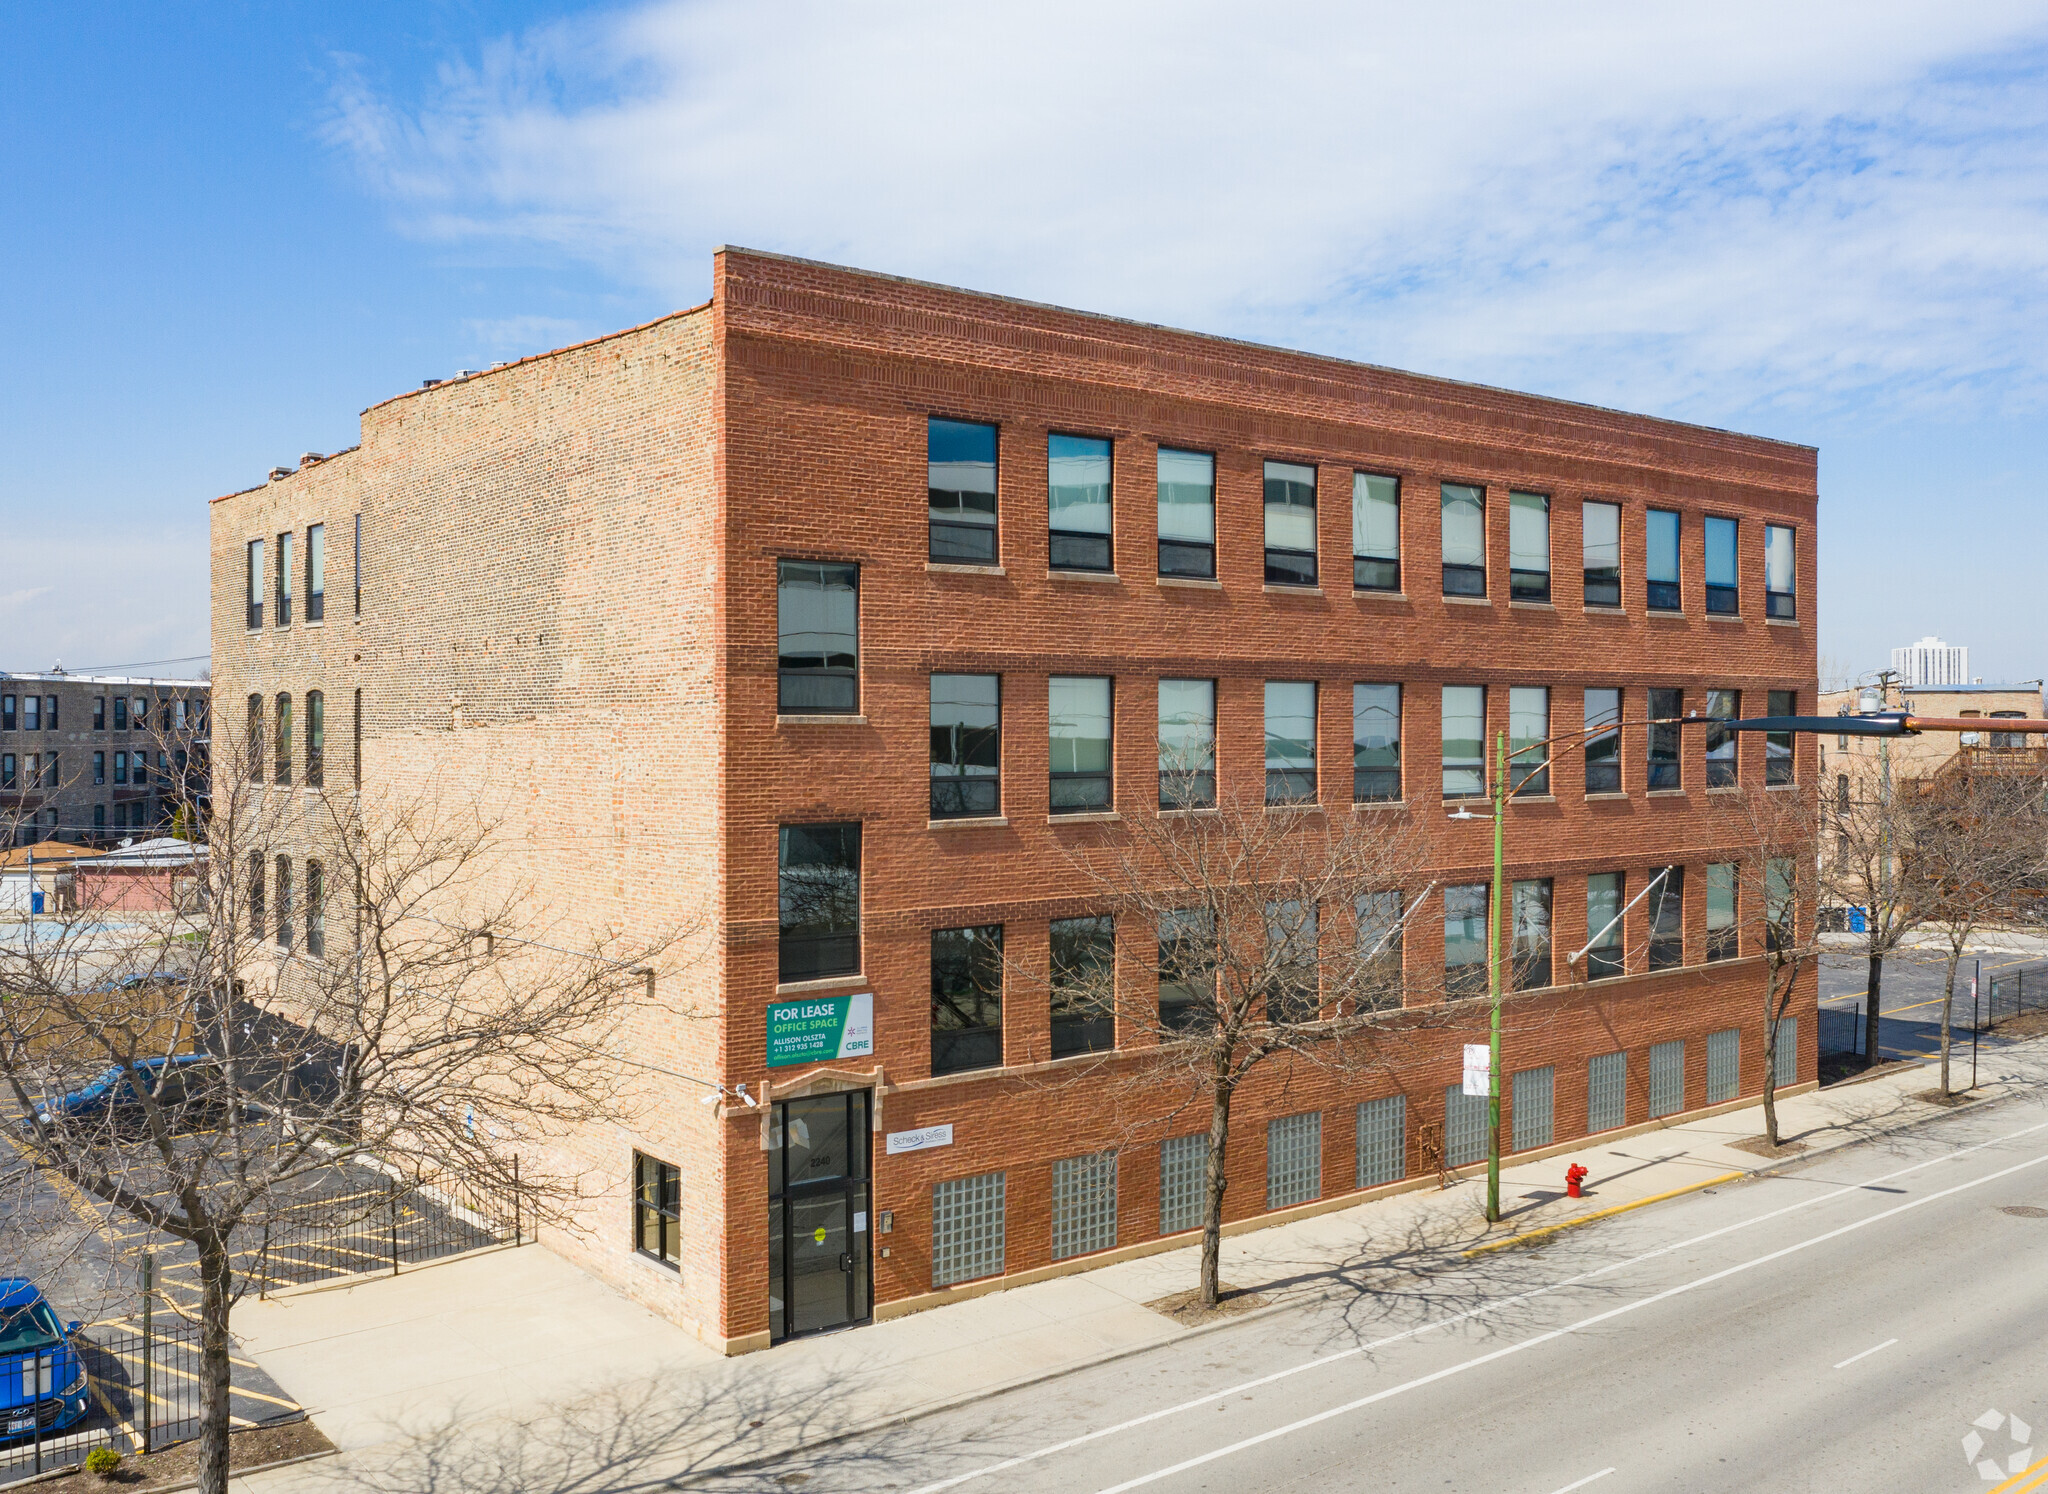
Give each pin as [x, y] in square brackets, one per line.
[1877, 724]
[1617, 918]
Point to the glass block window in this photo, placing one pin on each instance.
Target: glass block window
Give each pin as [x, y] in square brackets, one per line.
[1464, 1126]
[1294, 1159]
[967, 1228]
[1667, 1079]
[1724, 1065]
[1534, 1091]
[1785, 1052]
[1182, 1162]
[1382, 1141]
[1083, 1204]
[1606, 1091]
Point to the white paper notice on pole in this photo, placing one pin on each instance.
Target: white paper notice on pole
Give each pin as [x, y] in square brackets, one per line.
[1478, 1069]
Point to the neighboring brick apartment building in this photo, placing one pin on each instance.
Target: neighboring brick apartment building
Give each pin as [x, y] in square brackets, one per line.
[698, 605]
[96, 759]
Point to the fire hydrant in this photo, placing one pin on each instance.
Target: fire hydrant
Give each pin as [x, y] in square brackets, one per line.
[1573, 1176]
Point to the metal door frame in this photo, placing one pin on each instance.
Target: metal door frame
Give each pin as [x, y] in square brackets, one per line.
[858, 1193]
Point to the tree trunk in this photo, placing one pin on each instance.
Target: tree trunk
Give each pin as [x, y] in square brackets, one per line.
[216, 1283]
[1212, 1193]
[1771, 1056]
[1871, 1047]
[1948, 1001]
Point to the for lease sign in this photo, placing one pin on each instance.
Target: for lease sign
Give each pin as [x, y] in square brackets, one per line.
[824, 1027]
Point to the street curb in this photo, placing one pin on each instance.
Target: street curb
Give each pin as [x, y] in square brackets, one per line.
[1536, 1236]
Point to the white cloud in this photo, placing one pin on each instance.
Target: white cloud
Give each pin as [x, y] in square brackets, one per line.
[1714, 211]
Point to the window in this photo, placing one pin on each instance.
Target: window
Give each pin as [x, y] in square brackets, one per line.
[1290, 524]
[1785, 1052]
[960, 477]
[1779, 907]
[32, 713]
[1603, 746]
[1464, 741]
[818, 875]
[1606, 1091]
[1079, 723]
[1187, 970]
[966, 746]
[1667, 920]
[1529, 740]
[1187, 744]
[99, 816]
[49, 713]
[1724, 595]
[1083, 985]
[1780, 595]
[1533, 1107]
[285, 930]
[1465, 1126]
[1660, 560]
[99, 768]
[1382, 1141]
[1528, 547]
[316, 739]
[141, 775]
[1723, 767]
[316, 909]
[8, 715]
[1530, 950]
[1464, 520]
[1665, 708]
[359, 564]
[1294, 1159]
[284, 579]
[1376, 743]
[7, 771]
[817, 611]
[1292, 939]
[1375, 532]
[967, 998]
[120, 713]
[1600, 543]
[255, 582]
[1290, 742]
[1465, 963]
[968, 1228]
[184, 714]
[1077, 503]
[120, 767]
[139, 709]
[1723, 934]
[99, 713]
[284, 739]
[1841, 793]
[658, 1210]
[256, 915]
[1667, 1078]
[316, 573]
[356, 750]
[1603, 925]
[1187, 514]
[1183, 1168]
[1998, 741]
[1778, 744]
[1379, 947]
[1083, 1204]
[1724, 1065]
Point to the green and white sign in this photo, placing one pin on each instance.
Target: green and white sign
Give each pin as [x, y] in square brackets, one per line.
[823, 1028]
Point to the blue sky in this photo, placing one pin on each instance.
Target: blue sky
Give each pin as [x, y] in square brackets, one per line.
[230, 228]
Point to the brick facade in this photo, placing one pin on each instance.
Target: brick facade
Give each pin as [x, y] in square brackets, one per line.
[95, 759]
[569, 605]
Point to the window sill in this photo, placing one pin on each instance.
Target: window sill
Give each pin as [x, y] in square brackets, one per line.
[1532, 606]
[1617, 797]
[1532, 798]
[674, 1268]
[1361, 805]
[1664, 612]
[821, 720]
[1466, 802]
[1292, 591]
[1109, 576]
[970, 822]
[1206, 812]
[1084, 817]
[1601, 609]
[947, 568]
[1724, 617]
[1373, 593]
[1664, 793]
[1781, 622]
[1191, 582]
[823, 983]
[1468, 601]
[1780, 788]
[1295, 806]
[316, 624]
[1725, 788]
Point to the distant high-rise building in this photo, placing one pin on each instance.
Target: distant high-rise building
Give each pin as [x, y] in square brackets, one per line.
[1932, 662]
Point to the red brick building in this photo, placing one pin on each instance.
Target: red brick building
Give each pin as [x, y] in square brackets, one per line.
[838, 609]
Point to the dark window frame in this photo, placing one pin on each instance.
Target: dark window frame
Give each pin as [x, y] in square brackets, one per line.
[1662, 595]
[1073, 549]
[1191, 560]
[1601, 585]
[1724, 771]
[1187, 788]
[1293, 786]
[316, 573]
[1055, 777]
[958, 531]
[1375, 572]
[1524, 584]
[1665, 910]
[1602, 751]
[1608, 960]
[819, 677]
[316, 738]
[256, 582]
[1724, 599]
[1781, 604]
[1284, 564]
[836, 953]
[1370, 780]
[963, 1046]
[1665, 770]
[1083, 1022]
[957, 794]
[658, 1210]
[1780, 747]
[1463, 579]
[283, 594]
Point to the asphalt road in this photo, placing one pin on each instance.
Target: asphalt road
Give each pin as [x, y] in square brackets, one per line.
[1840, 1323]
[1910, 1021]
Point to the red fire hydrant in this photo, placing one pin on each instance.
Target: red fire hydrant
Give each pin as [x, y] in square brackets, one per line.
[1573, 1176]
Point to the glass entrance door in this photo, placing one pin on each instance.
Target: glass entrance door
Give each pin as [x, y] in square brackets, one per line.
[818, 1270]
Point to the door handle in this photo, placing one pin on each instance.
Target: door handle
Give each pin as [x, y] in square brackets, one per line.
[846, 1261]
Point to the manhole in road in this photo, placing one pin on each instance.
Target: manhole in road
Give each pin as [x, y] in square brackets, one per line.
[2024, 1211]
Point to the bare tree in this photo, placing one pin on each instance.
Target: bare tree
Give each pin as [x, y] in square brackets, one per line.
[351, 980]
[1976, 853]
[1864, 826]
[1776, 882]
[1237, 931]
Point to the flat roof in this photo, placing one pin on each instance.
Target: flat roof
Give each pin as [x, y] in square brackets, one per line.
[8, 676]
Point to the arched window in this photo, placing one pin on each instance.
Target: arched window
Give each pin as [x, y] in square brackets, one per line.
[284, 738]
[316, 909]
[255, 739]
[284, 902]
[256, 895]
[316, 738]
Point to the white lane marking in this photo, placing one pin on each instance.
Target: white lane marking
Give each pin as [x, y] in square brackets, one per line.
[1587, 1322]
[1455, 1318]
[1866, 1353]
[1567, 1489]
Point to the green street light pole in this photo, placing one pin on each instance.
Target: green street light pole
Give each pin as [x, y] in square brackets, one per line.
[1495, 932]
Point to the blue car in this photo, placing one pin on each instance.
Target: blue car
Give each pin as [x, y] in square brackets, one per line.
[178, 1083]
[42, 1375]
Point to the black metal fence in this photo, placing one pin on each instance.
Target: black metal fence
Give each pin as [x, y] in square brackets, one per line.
[2006, 993]
[142, 1393]
[383, 1226]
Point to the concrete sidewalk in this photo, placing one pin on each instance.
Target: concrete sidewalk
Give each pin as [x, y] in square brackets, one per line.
[512, 1370]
